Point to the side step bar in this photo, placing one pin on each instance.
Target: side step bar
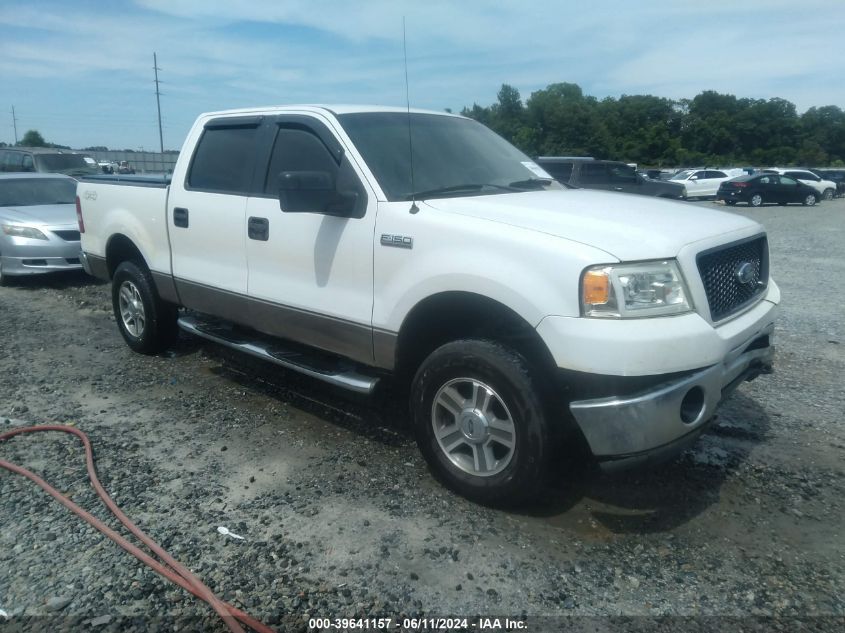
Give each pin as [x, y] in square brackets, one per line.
[332, 373]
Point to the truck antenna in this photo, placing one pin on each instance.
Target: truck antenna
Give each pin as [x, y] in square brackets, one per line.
[414, 208]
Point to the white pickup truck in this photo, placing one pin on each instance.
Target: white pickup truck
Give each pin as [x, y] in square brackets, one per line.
[527, 318]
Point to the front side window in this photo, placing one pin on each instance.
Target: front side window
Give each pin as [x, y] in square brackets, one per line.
[682, 175]
[224, 160]
[786, 180]
[623, 174]
[453, 156]
[298, 149]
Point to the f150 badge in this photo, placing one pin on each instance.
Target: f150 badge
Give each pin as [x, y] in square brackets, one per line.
[399, 241]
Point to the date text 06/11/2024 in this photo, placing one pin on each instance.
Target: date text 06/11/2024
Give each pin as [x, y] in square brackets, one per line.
[416, 624]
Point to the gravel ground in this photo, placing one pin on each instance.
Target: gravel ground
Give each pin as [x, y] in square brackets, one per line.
[341, 518]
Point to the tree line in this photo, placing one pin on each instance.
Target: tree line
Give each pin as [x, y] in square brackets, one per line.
[709, 129]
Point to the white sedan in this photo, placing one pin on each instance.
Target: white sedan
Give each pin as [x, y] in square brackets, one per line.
[704, 183]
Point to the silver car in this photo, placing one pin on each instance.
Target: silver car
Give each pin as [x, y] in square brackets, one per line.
[38, 227]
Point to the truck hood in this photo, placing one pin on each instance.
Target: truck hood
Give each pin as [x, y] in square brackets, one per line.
[629, 227]
[40, 215]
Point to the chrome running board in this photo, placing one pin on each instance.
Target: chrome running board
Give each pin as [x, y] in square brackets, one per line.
[332, 372]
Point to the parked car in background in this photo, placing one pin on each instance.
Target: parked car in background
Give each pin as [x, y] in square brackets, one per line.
[45, 160]
[703, 183]
[125, 168]
[106, 166]
[825, 188]
[834, 175]
[606, 175]
[38, 225]
[759, 189]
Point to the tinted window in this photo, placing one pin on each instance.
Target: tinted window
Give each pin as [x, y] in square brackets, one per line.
[13, 161]
[716, 174]
[785, 180]
[36, 191]
[559, 171]
[27, 163]
[594, 174]
[299, 149]
[60, 162]
[224, 160]
[622, 174]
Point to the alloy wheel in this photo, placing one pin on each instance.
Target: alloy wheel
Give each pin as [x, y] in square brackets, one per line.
[132, 309]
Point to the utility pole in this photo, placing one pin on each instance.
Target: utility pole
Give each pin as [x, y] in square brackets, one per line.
[158, 105]
[15, 124]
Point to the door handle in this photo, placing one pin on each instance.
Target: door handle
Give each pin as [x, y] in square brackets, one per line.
[258, 229]
[180, 217]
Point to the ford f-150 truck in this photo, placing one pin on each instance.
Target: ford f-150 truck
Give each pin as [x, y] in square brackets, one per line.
[358, 243]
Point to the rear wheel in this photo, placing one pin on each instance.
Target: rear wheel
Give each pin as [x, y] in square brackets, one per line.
[147, 324]
[810, 200]
[480, 421]
[756, 200]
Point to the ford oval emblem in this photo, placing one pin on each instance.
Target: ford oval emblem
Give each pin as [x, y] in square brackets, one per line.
[745, 273]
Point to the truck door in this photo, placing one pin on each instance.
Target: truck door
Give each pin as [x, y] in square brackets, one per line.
[311, 273]
[594, 176]
[206, 213]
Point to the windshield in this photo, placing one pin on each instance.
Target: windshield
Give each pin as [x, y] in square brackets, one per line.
[29, 192]
[682, 175]
[63, 162]
[452, 156]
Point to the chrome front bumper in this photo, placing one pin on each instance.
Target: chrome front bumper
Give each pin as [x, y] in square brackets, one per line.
[633, 428]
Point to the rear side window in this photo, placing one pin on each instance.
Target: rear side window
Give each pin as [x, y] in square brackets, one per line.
[559, 171]
[716, 174]
[13, 161]
[802, 175]
[224, 160]
[593, 174]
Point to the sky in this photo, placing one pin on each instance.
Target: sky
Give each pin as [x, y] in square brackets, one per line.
[81, 72]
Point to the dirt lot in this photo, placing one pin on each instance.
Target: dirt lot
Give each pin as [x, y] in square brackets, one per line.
[341, 518]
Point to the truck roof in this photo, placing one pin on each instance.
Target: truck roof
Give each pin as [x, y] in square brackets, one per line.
[332, 108]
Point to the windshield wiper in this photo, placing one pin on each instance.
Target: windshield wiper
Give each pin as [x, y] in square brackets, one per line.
[531, 183]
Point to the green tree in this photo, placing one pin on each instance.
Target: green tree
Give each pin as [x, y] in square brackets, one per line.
[33, 138]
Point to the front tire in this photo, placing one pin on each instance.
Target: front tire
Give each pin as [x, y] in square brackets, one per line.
[828, 194]
[481, 423]
[810, 200]
[147, 324]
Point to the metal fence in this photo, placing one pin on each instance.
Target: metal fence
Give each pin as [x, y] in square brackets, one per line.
[142, 162]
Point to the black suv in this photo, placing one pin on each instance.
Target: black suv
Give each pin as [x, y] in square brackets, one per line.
[38, 159]
[608, 175]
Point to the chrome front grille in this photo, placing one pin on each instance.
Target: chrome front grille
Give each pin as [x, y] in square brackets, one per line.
[734, 275]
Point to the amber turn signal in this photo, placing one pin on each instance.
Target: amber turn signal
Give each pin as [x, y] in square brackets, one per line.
[596, 288]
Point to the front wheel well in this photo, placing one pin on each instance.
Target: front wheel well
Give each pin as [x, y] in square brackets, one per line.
[450, 316]
[120, 249]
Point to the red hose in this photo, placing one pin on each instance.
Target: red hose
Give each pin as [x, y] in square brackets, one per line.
[172, 570]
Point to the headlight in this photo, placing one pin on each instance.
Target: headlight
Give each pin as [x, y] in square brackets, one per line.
[23, 231]
[634, 290]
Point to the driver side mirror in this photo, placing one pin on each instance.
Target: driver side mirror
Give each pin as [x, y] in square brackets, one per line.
[693, 177]
[314, 192]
